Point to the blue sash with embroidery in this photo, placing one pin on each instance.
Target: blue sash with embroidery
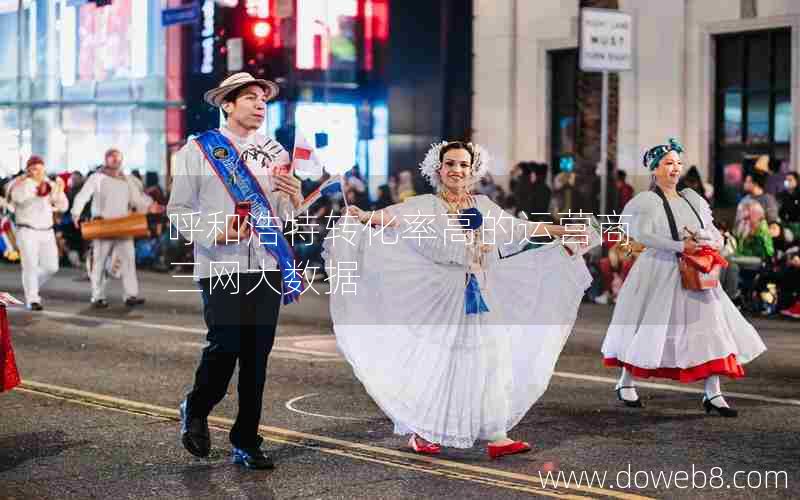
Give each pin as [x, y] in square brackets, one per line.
[242, 185]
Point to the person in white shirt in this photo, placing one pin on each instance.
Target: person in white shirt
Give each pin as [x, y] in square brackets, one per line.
[34, 199]
[241, 314]
[113, 195]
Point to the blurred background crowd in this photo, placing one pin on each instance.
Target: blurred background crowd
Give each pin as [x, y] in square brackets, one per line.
[762, 236]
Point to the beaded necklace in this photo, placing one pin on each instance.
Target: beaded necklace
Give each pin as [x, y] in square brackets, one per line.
[456, 202]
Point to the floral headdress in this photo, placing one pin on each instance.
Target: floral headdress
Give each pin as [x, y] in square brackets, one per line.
[432, 163]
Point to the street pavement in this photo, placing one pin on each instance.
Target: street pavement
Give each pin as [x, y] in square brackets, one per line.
[96, 416]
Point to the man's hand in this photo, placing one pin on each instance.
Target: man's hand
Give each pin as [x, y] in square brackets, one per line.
[289, 184]
[236, 231]
[552, 230]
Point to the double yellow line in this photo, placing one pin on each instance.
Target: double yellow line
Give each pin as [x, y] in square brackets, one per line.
[446, 469]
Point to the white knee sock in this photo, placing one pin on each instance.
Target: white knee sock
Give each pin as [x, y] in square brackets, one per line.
[626, 380]
[713, 389]
[498, 436]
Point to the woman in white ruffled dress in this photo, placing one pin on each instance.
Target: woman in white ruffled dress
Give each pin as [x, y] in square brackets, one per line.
[451, 339]
[660, 329]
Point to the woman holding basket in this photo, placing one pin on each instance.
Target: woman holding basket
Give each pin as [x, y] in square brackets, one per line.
[672, 320]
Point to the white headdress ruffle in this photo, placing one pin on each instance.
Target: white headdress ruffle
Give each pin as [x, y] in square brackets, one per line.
[430, 165]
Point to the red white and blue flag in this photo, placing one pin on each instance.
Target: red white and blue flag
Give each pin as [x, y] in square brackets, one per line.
[305, 160]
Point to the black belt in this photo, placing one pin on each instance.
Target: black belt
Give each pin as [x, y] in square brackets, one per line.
[35, 228]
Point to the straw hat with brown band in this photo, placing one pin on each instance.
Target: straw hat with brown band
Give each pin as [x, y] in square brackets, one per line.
[216, 96]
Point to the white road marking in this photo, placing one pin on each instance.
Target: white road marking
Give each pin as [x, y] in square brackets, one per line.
[290, 406]
[124, 322]
[320, 356]
[394, 458]
[331, 355]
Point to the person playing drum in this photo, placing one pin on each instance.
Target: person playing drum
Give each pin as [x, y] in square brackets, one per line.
[113, 195]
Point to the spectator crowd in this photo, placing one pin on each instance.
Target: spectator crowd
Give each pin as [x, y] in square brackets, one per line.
[762, 241]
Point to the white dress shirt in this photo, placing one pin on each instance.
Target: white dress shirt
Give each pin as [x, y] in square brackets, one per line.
[199, 204]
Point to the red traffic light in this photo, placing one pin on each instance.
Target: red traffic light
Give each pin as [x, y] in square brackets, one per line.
[261, 29]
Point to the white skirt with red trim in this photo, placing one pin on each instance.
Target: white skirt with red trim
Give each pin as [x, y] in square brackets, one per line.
[659, 329]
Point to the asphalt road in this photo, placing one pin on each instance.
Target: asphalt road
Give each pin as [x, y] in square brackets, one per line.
[96, 416]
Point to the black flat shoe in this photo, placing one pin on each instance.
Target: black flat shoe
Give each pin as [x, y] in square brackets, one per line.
[722, 410]
[134, 301]
[35, 306]
[637, 403]
[195, 435]
[100, 304]
[252, 458]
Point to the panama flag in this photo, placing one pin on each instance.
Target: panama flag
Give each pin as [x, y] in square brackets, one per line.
[305, 161]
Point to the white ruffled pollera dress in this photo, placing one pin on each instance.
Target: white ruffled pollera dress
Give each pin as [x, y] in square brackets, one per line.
[448, 376]
[659, 329]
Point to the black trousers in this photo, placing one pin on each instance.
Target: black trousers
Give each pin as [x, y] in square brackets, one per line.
[241, 327]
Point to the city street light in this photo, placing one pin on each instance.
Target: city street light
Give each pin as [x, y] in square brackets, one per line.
[262, 29]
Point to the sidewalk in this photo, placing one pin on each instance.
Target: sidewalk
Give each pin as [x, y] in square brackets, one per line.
[72, 285]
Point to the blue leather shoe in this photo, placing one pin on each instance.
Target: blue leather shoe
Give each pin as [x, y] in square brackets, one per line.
[252, 458]
[195, 435]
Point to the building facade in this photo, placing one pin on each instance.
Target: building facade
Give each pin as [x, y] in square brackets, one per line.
[77, 79]
[721, 76]
[372, 82]
[329, 59]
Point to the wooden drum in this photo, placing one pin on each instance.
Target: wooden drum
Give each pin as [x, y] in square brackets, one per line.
[131, 226]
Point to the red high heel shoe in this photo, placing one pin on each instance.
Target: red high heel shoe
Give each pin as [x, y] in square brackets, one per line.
[508, 449]
[421, 446]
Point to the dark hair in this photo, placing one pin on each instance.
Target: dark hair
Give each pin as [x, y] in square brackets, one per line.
[450, 146]
[795, 175]
[693, 173]
[234, 94]
[622, 175]
[231, 97]
[151, 179]
[526, 167]
[759, 179]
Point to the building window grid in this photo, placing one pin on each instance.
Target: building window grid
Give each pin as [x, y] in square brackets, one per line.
[734, 52]
[746, 91]
[34, 97]
[564, 69]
